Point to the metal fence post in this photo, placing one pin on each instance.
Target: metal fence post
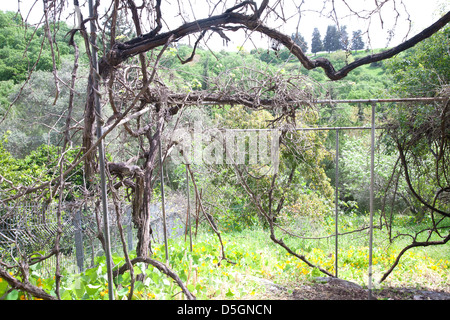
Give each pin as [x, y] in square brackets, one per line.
[101, 151]
[336, 201]
[372, 164]
[188, 207]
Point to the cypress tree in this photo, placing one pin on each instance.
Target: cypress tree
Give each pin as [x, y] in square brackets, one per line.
[331, 41]
[300, 41]
[357, 42]
[316, 42]
[343, 39]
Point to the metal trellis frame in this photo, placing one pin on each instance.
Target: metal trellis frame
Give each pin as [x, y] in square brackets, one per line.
[373, 103]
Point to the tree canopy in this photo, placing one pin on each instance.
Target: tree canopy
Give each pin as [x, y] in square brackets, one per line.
[316, 42]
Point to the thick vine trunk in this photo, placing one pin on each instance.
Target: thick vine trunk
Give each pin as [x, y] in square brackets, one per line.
[88, 133]
[142, 187]
[143, 216]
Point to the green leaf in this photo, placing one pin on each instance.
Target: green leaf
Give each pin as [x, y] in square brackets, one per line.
[65, 294]
[122, 292]
[147, 281]
[125, 278]
[139, 268]
[3, 286]
[316, 272]
[190, 287]
[13, 295]
[229, 293]
[80, 289]
[92, 289]
[155, 276]
[198, 287]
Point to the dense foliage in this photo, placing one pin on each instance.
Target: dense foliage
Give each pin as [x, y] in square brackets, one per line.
[23, 47]
[420, 132]
[40, 165]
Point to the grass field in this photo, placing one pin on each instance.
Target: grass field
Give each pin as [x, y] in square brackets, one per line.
[254, 257]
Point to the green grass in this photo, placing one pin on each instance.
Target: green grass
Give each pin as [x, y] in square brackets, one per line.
[254, 255]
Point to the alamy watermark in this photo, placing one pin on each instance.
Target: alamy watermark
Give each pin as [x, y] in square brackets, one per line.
[210, 146]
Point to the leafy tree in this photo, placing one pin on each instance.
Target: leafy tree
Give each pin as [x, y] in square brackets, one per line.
[357, 41]
[419, 135]
[343, 38]
[6, 88]
[302, 158]
[23, 47]
[316, 42]
[355, 171]
[336, 39]
[331, 41]
[423, 70]
[6, 165]
[300, 41]
[40, 165]
[36, 117]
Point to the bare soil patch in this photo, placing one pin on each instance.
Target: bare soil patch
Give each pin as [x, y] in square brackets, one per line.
[323, 288]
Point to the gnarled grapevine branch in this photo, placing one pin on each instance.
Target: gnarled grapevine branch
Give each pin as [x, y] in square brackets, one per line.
[122, 51]
[161, 267]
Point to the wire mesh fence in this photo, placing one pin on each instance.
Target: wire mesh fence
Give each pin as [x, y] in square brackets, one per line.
[32, 228]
